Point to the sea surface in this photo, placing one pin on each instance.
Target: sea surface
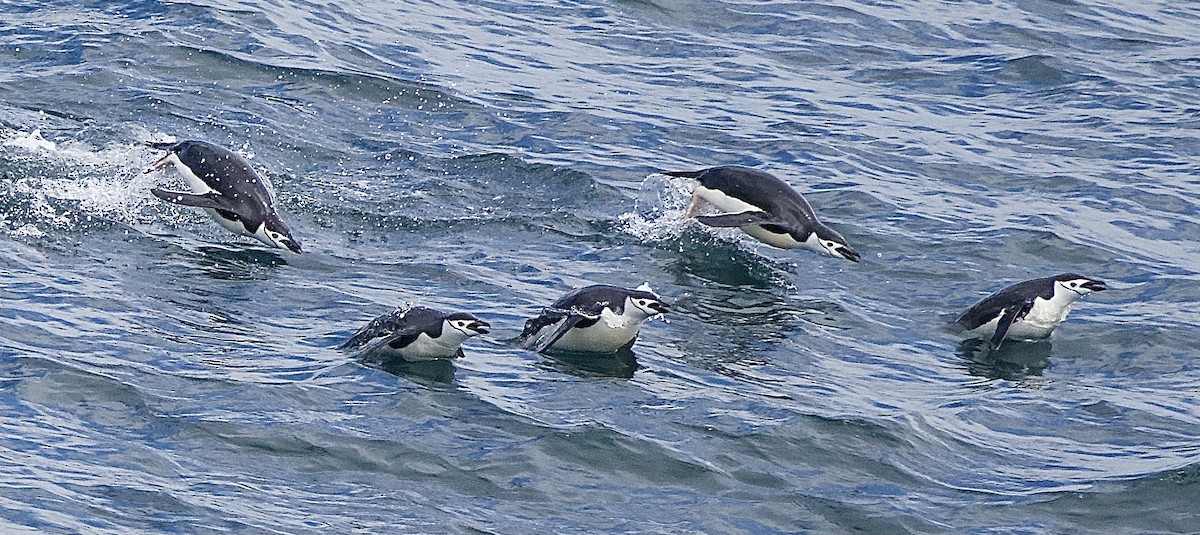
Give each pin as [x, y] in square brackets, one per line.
[160, 375]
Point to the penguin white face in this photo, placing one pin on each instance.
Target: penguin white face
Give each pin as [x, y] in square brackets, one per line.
[648, 304]
[834, 244]
[467, 324]
[282, 240]
[1080, 285]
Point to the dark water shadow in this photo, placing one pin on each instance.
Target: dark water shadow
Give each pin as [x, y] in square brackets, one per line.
[727, 325]
[620, 364]
[712, 259]
[224, 263]
[1013, 361]
[428, 372]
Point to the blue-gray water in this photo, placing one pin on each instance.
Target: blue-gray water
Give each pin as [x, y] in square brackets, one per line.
[158, 375]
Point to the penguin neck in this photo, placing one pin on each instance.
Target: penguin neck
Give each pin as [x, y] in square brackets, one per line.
[451, 337]
[1063, 297]
[1052, 311]
[616, 321]
[813, 243]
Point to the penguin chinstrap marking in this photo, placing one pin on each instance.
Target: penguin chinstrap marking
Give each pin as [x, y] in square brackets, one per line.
[1028, 310]
[593, 319]
[227, 188]
[415, 334]
[763, 206]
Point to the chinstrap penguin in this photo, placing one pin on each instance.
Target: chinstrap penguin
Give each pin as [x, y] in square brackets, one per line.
[1028, 310]
[416, 334]
[764, 207]
[227, 187]
[593, 319]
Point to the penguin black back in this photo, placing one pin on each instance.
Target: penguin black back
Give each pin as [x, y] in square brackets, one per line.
[759, 188]
[225, 171]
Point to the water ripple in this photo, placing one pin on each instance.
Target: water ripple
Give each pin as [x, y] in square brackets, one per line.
[161, 375]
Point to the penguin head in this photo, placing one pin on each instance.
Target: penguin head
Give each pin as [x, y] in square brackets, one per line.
[643, 300]
[1078, 284]
[278, 234]
[832, 242]
[466, 324]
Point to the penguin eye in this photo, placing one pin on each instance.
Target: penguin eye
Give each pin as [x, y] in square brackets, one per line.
[467, 326]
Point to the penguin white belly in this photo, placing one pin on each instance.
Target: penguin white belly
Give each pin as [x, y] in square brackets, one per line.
[424, 348]
[233, 226]
[782, 241]
[1040, 321]
[610, 333]
[723, 202]
[199, 187]
[1038, 324]
[599, 338]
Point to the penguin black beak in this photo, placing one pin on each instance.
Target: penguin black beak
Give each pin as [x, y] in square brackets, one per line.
[293, 246]
[848, 253]
[480, 326]
[1094, 285]
[660, 307]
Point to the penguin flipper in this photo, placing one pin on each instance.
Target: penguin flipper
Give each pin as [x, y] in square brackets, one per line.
[363, 352]
[401, 338]
[563, 327]
[395, 326]
[1007, 318]
[528, 337]
[210, 200]
[740, 219]
[368, 332]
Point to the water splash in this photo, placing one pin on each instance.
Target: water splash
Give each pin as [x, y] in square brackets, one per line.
[32, 142]
[658, 210]
[658, 215]
[47, 185]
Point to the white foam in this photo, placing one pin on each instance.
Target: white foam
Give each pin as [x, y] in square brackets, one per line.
[32, 141]
[658, 210]
[658, 214]
[69, 184]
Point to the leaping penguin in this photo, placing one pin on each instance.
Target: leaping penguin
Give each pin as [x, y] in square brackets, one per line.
[225, 186]
[416, 334]
[593, 319]
[764, 207]
[1027, 310]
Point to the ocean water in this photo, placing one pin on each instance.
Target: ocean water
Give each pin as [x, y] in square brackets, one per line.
[159, 375]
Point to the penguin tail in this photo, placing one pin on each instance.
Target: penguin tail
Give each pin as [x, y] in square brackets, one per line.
[684, 174]
[163, 145]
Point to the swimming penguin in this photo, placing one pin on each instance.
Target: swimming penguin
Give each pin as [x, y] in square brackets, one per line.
[225, 186]
[416, 334]
[593, 319]
[764, 207]
[1027, 310]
